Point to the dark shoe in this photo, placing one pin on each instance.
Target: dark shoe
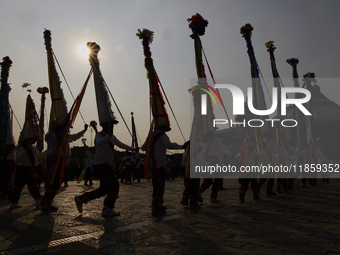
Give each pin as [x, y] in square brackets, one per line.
[184, 202]
[256, 197]
[44, 208]
[79, 203]
[52, 208]
[39, 205]
[327, 181]
[108, 212]
[158, 211]
[85, 184]
[199, 196]
[164, 207]
[195, 206]
[214, 200]
[222, 188]
[241, 197]
[270, 193]
[15, 205]
[278, 190]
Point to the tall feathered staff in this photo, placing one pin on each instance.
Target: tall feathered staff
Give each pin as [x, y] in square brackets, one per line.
[202, 123]
[43, 91]
[256, 134]
[157, 104]
[58, 108]
[308, 79]
[31, 127]
[4, 101]
[104, 109]
[134, 135]
[301, 128]
[10, 138]
[281, 135]
[60, 115]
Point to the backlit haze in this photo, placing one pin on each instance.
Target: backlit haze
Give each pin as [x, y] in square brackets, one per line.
[304, 29]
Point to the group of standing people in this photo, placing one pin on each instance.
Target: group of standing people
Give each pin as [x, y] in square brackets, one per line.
[156, 145]
[28, 156]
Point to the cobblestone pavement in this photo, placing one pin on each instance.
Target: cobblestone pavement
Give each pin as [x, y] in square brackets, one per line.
[304, 221]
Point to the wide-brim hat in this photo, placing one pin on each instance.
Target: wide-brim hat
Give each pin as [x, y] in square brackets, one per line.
[166, 128]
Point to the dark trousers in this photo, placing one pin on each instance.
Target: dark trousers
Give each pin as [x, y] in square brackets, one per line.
[52, 185]
[158, 183]
[128, 172]
[109, 185]
[136, 174]
[88, 176]
[283, 183]
[270, 183]
[40, 173]
[66, 174]
[25, 175]
[216, 185]
[244, 185]
[191, 187]
[5, 186]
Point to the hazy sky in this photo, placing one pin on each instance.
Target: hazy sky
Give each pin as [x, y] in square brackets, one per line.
[303, 29]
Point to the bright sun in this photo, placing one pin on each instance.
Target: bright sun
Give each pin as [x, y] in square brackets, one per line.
[84, 51]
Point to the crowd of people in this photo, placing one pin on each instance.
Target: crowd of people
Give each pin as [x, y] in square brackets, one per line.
[131, 168]
[25, 164]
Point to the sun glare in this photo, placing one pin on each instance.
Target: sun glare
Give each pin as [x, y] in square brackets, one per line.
[84, 51]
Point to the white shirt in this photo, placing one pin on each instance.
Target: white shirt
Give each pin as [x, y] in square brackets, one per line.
[160, 147]
[68, 161]
[24, 160]
[276, 149]
[320, 157]
[104, 153]
[217, 148]
[251, 157]
[12, 154]
[295, 152]
[51, 139]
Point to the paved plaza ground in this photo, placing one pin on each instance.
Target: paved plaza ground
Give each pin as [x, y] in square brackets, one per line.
[304, 221]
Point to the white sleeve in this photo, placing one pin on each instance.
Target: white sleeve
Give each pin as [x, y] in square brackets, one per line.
[165, 141]
[75, 137]
[123, 145]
